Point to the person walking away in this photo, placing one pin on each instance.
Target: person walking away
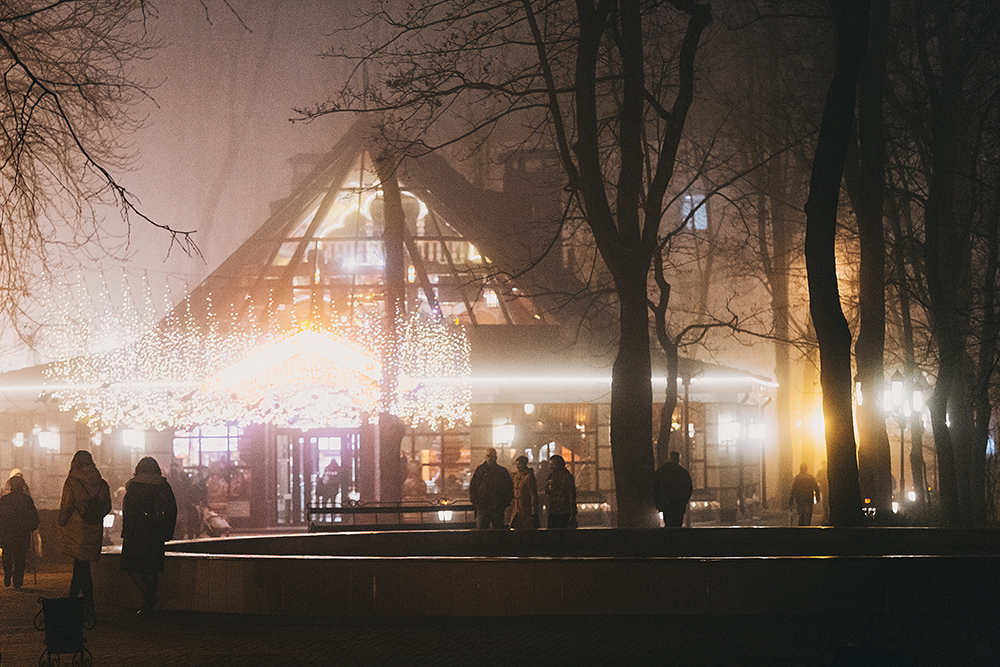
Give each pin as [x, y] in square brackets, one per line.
[490, 491]
[525, 513]
[18, 520]
[149, 516]
[15, 472]
[85, 494]
[672, 490]
[805, 492]
[561, 490]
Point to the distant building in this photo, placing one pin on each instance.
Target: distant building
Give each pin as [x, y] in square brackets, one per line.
[277, 364]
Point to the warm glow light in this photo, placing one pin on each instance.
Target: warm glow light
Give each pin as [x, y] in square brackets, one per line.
[134, 439]
[897, 389]
[327, 348]
[503, 434]
[48, 440]
[187, 372]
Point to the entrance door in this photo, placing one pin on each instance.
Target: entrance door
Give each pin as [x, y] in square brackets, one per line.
[317, 467]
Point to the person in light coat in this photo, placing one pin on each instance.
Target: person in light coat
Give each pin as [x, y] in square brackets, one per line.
[525, 512]
[81, 540]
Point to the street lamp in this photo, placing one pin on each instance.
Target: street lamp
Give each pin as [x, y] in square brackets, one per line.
[900, 404]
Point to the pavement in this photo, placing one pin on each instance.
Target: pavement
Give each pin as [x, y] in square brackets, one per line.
[121, 637]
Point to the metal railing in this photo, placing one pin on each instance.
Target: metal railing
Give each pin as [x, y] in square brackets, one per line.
[355, 515]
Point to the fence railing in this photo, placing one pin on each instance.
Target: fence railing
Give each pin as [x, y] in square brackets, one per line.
[438, 514]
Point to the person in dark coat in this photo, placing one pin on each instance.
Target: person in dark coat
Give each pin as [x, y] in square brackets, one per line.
[149, 516]
[561, 490]
[490, 490]
[672, 490]
[18, 519]
[82, 540]
[805, 493]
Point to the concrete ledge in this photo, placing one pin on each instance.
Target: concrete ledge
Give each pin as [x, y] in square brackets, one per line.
[345, 585]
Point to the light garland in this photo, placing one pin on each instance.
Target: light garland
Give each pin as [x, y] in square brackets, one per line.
[186, 373]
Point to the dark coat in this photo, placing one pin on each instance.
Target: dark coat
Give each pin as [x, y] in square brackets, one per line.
[561, 489]
[805, 490]
[491, 487]
[672, 487]
[149, 515]
[18, 518]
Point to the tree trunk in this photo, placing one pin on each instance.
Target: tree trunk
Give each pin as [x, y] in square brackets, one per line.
[632, 406]
[851, 18]
[391, 429]
[865, 182]
[917, 467]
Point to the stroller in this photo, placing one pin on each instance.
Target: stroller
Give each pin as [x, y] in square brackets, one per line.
[213, 524]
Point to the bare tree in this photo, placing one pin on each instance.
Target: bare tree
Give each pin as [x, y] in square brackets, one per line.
[68, 101]
[851, 18]
[608, 85]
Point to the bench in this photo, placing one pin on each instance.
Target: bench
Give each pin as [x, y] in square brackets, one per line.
[444, 513]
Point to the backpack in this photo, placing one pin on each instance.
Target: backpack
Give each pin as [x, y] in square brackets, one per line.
[98, 505]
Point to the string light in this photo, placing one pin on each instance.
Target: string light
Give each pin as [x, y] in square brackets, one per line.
[187, 372]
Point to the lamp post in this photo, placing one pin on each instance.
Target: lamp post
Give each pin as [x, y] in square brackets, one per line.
[897, 405]
[902, 399]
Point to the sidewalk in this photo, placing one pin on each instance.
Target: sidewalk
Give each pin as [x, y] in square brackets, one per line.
[122, 638]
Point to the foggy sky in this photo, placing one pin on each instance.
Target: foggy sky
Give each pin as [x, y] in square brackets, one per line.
[213, 154]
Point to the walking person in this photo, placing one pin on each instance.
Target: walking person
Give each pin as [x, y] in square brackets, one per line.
[672, 490]
[81, 520]
[804, 495]
[561, 490]
[490, 491]
[525, 514]
[18, 520]
[149, 516]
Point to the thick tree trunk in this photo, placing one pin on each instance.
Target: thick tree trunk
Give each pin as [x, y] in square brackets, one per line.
[632, 406]
[851, 18]
[865, 181]
[391, 429]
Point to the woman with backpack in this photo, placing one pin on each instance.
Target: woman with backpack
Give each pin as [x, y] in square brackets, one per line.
[86, 499]
[149, 516]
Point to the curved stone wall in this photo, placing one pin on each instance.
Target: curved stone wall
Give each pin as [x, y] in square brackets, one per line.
[585, 572]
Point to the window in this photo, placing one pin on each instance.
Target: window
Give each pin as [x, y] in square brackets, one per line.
[697, 220]
[203, 445]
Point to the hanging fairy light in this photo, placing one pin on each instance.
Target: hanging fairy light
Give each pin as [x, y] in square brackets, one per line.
[187, 372]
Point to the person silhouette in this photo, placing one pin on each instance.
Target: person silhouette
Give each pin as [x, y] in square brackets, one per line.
[672, 490]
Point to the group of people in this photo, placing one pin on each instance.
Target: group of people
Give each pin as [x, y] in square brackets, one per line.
[493, 490]
[149, 516]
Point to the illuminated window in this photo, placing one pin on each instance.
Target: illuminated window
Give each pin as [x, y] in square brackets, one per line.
[203, 445]
[694, 210]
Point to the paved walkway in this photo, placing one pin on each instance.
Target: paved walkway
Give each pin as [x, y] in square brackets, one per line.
[121, 637]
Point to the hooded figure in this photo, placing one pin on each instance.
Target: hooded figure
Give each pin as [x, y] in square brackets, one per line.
[18, 519]
[149, 516]
[15, 472]
[561, 489]
[82, 540]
